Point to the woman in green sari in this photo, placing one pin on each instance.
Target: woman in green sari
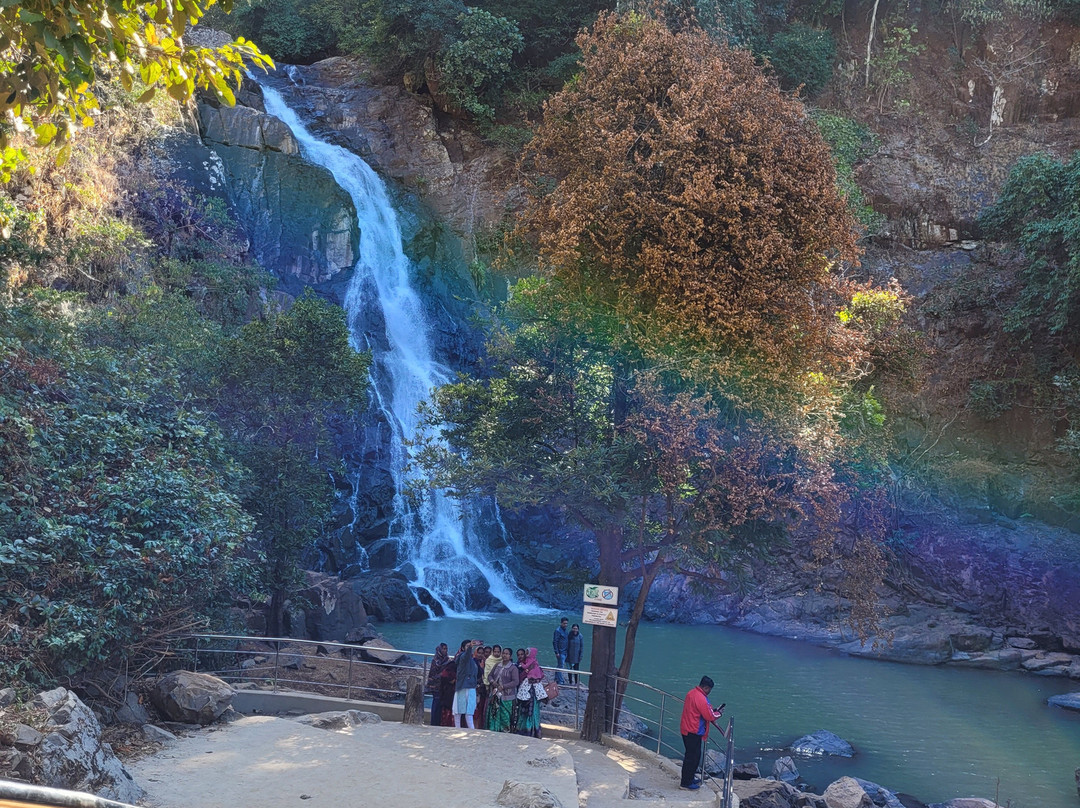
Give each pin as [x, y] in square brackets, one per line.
[503, 684]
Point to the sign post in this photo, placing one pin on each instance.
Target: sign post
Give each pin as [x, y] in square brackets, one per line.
[601, 611]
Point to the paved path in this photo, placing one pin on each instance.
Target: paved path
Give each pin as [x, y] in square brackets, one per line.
[279, 763]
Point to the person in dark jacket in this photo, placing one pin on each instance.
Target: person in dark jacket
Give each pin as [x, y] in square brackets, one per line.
[465, 686]
[558, 642]
[438, 664]
[575, 649]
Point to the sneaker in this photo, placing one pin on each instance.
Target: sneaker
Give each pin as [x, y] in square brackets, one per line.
[692, 787]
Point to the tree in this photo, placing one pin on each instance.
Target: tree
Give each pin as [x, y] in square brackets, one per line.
[284, 379]
[675, 384]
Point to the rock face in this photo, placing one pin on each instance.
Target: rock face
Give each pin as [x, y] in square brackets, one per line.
[302, 225]
[821, 743]
[191, 698]
[337, 608]
[65, 750]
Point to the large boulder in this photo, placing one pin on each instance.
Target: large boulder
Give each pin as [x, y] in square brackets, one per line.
[387, 597]
[880, 795]
[191, 698]
[337, 608]
[765, 794]
[784, 769]
[821, 743]
[64, 750]
[382, 652]
[847, 793]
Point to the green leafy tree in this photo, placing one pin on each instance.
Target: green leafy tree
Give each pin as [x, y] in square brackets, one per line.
[474, 67]
[118, 517]
[284, 380]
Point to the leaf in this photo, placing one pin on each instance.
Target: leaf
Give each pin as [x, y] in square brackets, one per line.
[45, 133]
[63, 155]
[147, 96]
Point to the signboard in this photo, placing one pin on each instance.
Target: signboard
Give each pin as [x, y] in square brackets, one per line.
[598, 593]
[600, 616]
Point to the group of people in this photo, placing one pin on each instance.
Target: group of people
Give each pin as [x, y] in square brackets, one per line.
[487, 687]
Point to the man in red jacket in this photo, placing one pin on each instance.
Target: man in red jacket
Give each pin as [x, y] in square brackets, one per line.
[697, 715]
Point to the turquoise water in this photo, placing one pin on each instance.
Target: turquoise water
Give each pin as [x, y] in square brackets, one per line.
[935, 733]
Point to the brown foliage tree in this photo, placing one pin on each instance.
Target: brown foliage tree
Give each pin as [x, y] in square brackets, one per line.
[674, 181]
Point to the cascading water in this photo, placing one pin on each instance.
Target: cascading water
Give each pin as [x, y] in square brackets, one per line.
[438, 536]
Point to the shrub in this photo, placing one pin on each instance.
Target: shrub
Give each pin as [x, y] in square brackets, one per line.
[801, 55]
[1037, 209]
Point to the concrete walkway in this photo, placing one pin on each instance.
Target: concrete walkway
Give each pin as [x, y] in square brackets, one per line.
[273, 762]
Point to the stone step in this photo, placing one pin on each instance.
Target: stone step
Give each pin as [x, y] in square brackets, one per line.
[610, 777]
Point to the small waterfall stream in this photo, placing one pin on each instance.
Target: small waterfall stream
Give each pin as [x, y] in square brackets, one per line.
[437, 535]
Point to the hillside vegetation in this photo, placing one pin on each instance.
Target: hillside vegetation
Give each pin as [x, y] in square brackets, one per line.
[166, 420]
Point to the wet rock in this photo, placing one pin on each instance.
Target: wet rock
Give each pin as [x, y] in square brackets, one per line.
[191, 698]
[715, 763]
[1004, 659]
[1051, 660]
[784, 769]
[526, 795]
[387, 597]
[1068, 701]
[965, 802]
[765, 794]
[745, 771]
[821, 743]
[847, 793]
[1025, 643]
[880, 795]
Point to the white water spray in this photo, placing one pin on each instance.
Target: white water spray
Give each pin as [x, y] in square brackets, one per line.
[438, 536]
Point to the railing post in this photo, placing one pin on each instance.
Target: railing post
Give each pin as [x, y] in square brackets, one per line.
[660, 726]
[195, 665]
[729, 774]
[277, 656]
[348, 694]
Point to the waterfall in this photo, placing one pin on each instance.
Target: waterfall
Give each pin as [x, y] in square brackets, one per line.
[436, 535]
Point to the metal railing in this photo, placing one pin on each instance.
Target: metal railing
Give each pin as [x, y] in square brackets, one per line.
[642, 713]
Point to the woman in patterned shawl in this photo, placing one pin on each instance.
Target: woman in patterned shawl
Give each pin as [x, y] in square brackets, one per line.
[504, 681]
[528, 705]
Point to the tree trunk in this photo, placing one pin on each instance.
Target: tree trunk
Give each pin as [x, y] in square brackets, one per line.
[275, 614]
[600, 705]
[870, 41]
[631, 636]
[414, 702]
